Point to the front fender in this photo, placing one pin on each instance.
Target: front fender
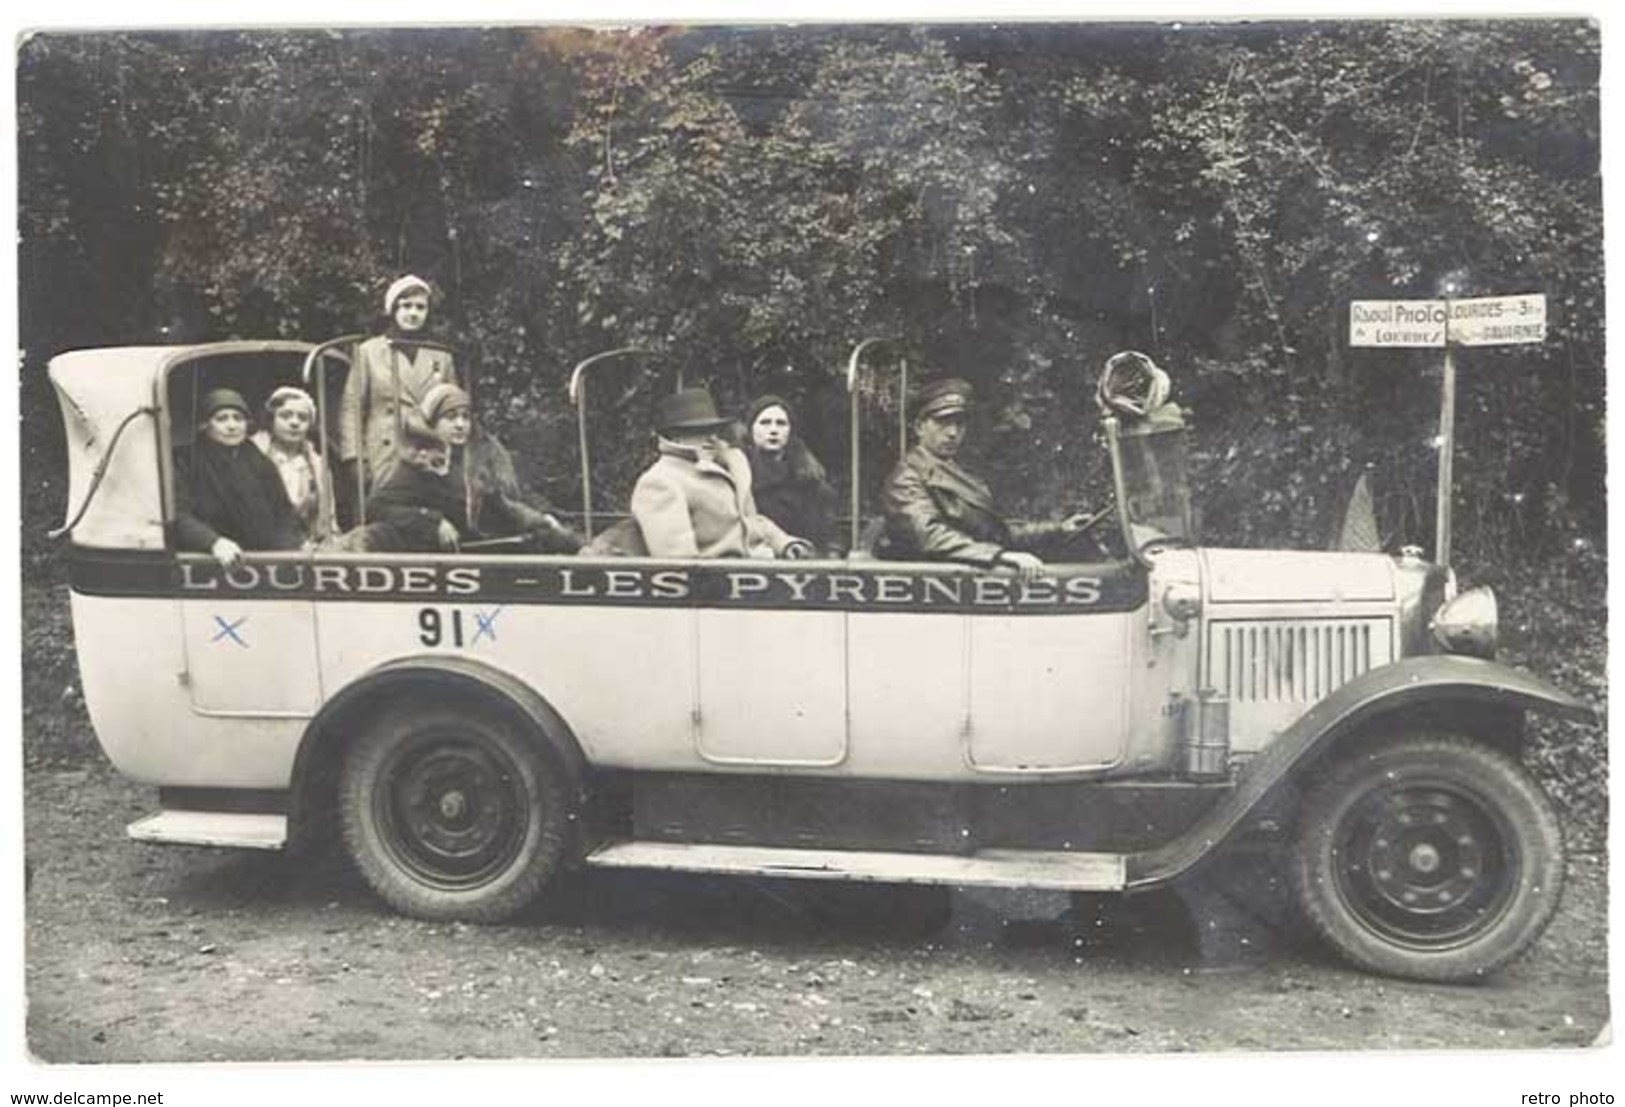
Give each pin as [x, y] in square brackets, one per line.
[324, 738]
[1407, 683]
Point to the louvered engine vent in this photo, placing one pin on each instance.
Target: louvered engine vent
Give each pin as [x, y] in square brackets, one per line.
[1290, 661]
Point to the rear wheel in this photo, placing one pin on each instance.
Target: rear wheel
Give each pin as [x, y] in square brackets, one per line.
[452, 813]
[1430, 857]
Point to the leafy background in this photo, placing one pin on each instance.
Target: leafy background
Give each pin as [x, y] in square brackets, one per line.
[1009, 204]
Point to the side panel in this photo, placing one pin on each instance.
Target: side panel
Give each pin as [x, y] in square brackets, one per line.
[772, 687]
[623, 678]
[847, 671]
[1301, 576]
[907, 676]
[133, 665]
[1282, 630]
[247, 657]
[1276, 666]
[1049, 693]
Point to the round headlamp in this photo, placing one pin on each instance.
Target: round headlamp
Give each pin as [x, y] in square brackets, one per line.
[1468, 624]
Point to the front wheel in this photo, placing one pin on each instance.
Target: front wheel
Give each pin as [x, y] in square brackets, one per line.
[1429, 857]
[453, 814]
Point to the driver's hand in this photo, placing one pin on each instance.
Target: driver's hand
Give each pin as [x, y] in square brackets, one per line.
[1027, 566]
[447, 535]
[1072, 524]
[227, 552]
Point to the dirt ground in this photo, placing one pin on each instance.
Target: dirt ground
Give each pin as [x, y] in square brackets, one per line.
[144, 953]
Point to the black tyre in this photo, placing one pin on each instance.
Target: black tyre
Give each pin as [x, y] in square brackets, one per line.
[454, 814]
[1429, 857]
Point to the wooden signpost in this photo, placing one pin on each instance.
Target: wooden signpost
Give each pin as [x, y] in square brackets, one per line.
[1446, 324]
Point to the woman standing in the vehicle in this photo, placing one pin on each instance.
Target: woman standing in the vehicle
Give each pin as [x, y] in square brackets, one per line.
[789, 483]
[392, 374]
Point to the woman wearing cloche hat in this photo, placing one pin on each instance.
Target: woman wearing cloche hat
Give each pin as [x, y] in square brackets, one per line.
[286, 441]
[482, 470]
[392, 373]
[453, 486]
[228, 495]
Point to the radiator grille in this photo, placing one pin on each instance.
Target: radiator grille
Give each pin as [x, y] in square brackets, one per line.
[1287, 661]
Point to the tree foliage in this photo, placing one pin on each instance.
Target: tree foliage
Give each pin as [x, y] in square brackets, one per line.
[1006, 204]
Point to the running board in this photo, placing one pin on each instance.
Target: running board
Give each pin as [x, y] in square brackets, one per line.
[994, 868]
[212, 828]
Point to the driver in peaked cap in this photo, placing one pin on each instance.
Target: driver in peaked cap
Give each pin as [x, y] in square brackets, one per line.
[938, 510]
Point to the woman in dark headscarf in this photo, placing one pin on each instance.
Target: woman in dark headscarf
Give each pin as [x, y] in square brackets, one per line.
[789, 483]
[229, 496]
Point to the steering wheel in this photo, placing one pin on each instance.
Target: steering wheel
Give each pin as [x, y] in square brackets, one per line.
[1151, 547]
[1074, 543]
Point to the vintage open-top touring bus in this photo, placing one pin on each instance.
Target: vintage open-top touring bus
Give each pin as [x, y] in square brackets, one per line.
[471, 722]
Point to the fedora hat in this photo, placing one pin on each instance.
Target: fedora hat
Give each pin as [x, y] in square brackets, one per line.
[690, 409]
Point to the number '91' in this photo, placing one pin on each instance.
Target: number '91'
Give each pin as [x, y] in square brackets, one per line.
[432, 627]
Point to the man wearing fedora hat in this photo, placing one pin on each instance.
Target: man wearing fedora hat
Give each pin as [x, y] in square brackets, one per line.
[938, 510]
[695, 501]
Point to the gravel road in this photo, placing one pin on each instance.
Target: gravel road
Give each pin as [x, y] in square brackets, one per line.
[143, 953]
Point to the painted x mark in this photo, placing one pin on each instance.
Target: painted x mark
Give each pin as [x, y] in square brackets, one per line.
[229, 630]
[485, 625]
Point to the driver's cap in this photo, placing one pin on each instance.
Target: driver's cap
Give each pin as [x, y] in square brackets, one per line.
[943, 398]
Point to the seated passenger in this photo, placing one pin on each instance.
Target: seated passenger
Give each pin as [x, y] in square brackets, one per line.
[416, 506]
[286, 441]
[493, 503]
[449, 487]
[788, 482]
[228, 496]
[936, 509]
[695, 501]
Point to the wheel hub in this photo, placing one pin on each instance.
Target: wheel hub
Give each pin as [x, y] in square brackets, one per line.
[456, 810]
[1424, 858]
[453, 804]
[1426, 865]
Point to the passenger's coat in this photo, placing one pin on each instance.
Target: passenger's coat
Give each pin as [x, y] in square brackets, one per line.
[386, 384]
[690, 506]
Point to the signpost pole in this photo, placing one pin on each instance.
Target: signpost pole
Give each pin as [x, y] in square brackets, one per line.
[1447, 449]
[1475, 321]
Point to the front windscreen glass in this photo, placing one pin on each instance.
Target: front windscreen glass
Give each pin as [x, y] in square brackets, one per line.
[1156, 492]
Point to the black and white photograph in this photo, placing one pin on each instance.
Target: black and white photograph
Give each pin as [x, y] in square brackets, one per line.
[692, 540]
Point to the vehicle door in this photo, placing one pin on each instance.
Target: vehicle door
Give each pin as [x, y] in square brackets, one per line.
[983, 672]
[248, 635]
[771, 678]
[1051, 677]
